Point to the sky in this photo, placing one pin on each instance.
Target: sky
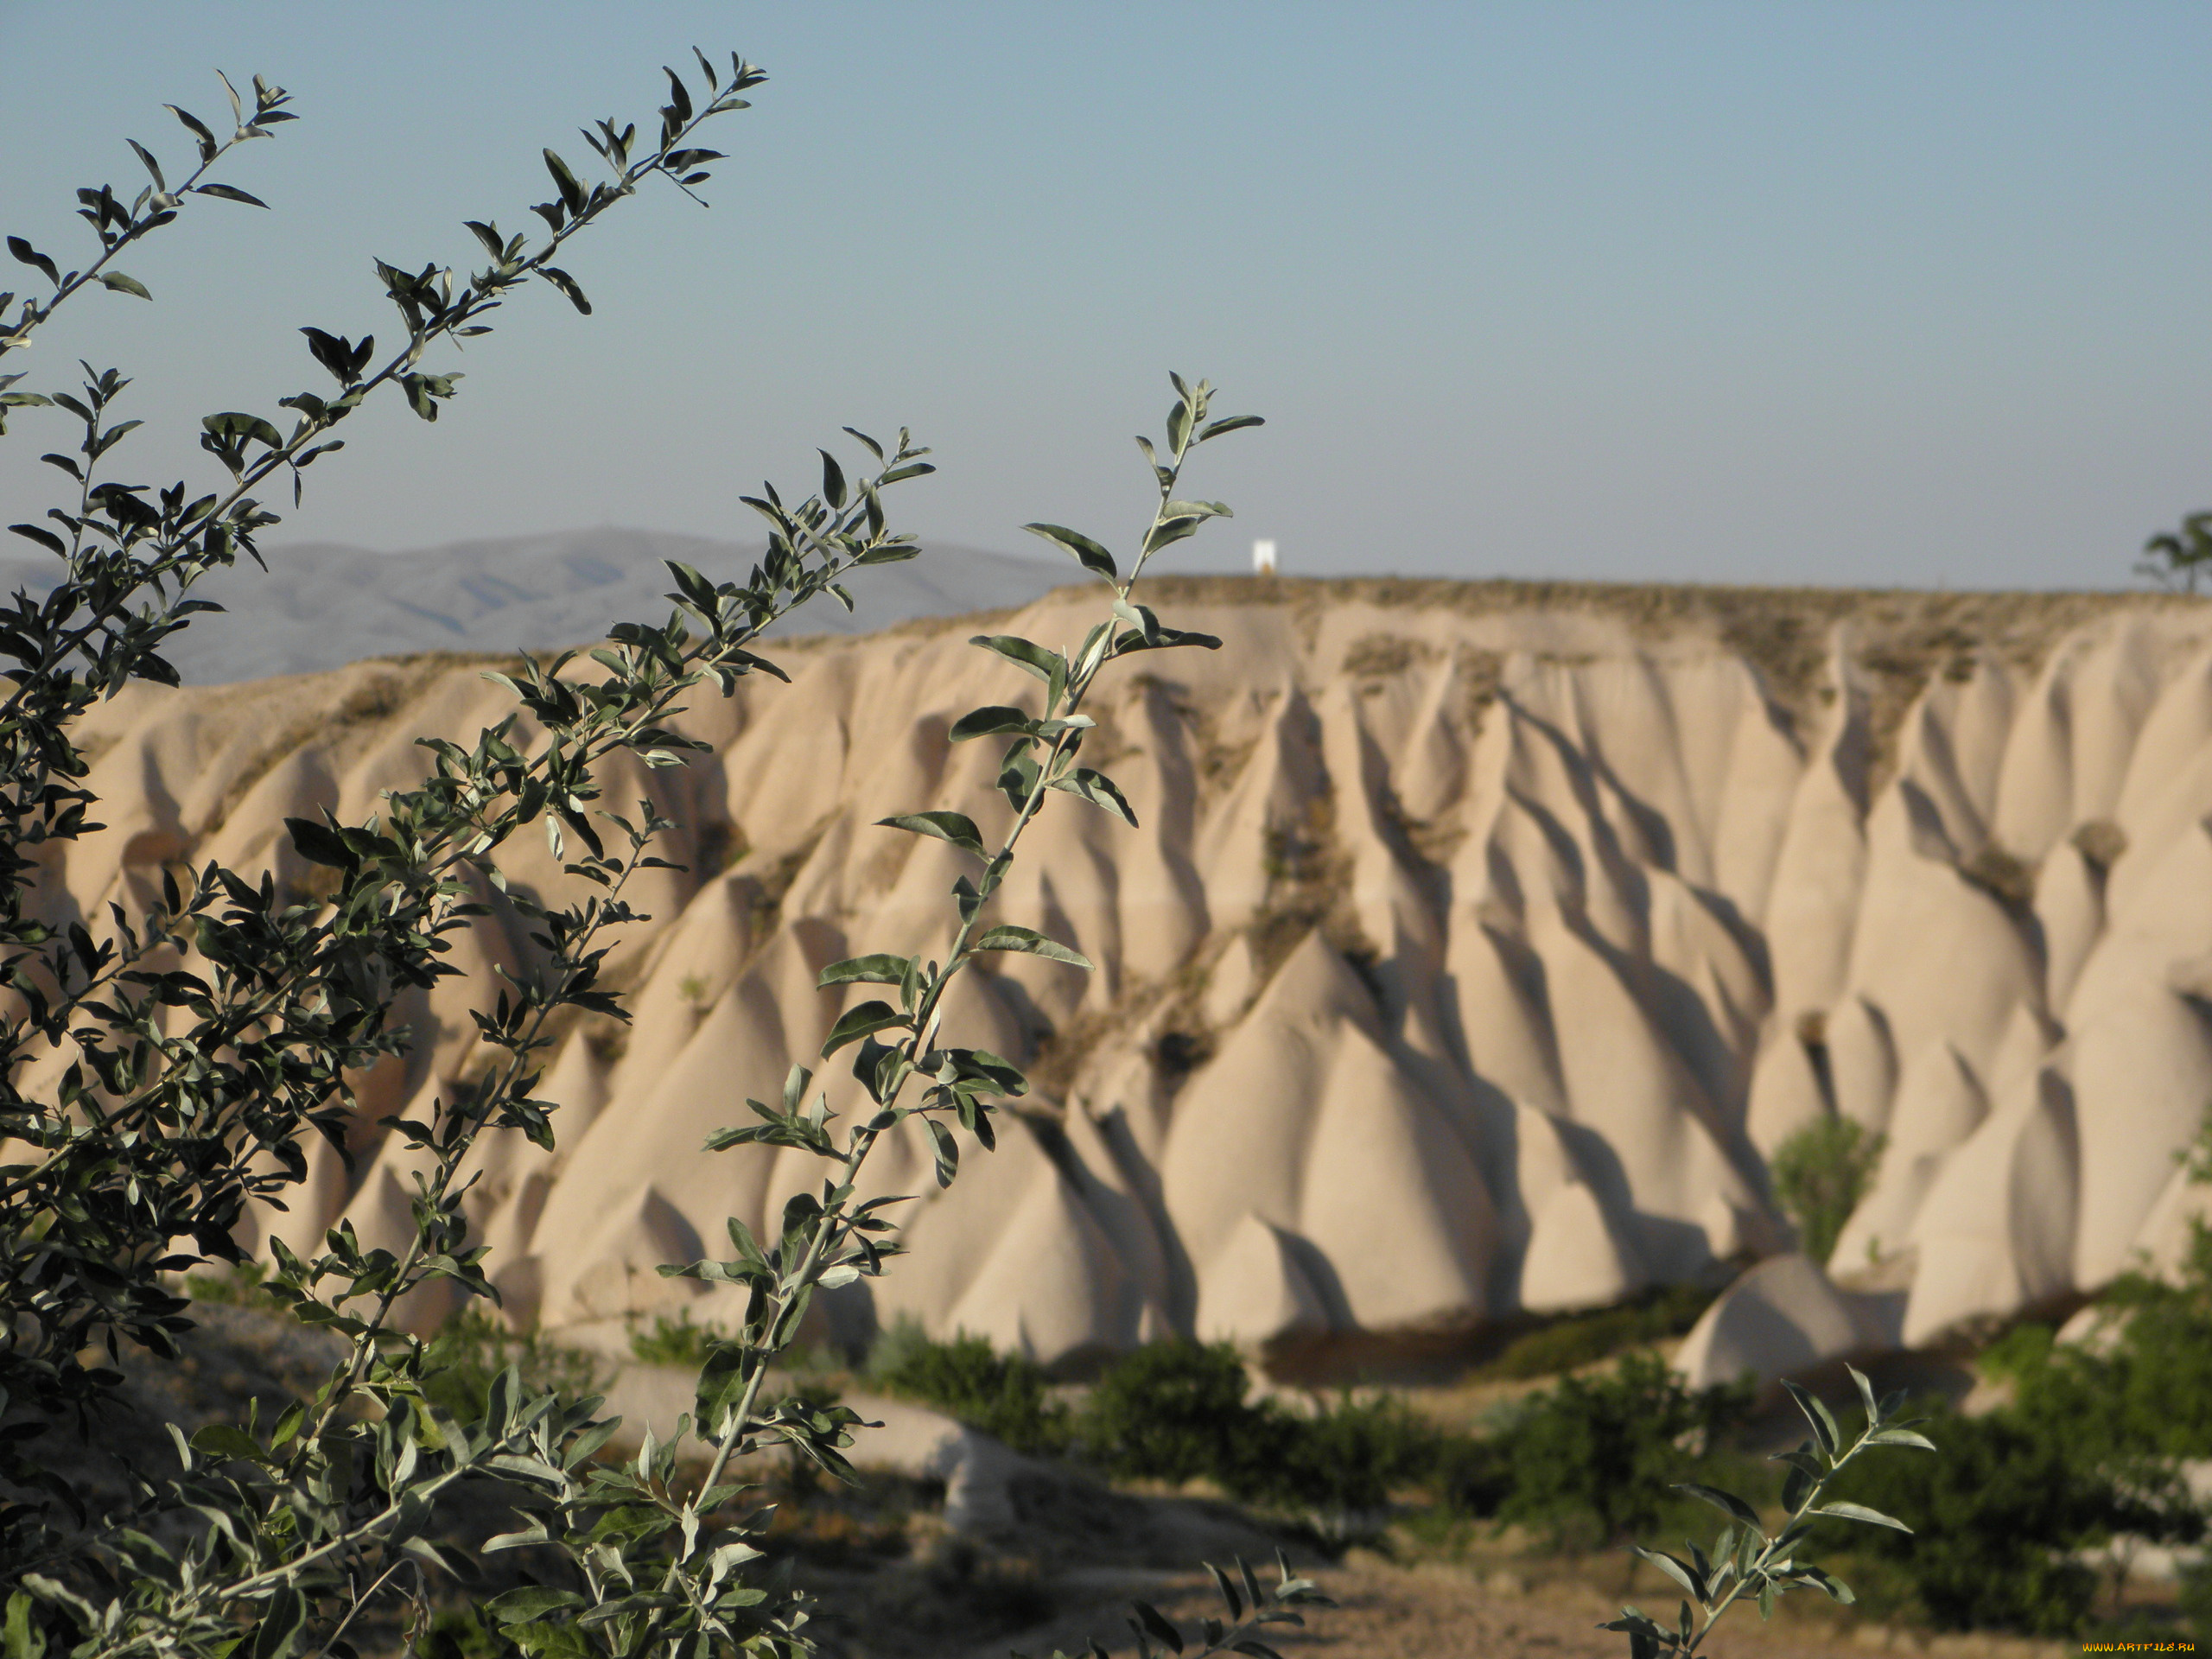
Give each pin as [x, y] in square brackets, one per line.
[1849, 293]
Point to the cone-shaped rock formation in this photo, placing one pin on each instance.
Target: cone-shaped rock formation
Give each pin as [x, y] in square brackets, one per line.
[1479, 943]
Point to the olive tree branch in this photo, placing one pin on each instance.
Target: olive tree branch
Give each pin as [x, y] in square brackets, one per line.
[1061, 732]
[1745, 1561]
[425, 303]
[153, 209]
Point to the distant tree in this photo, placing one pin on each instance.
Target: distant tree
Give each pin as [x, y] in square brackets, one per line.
[2174, 560]
[1819, 1175]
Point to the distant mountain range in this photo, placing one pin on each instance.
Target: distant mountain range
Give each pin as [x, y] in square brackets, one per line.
[322, 604]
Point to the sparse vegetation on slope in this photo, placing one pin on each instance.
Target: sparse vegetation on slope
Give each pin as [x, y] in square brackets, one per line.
[1574, 1340]
[1900, 637]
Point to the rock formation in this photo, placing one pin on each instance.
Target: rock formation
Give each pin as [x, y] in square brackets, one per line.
[1479, 943]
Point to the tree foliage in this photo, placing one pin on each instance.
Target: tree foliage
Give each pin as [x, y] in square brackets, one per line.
[1746, 1560]
[1003, 1394]
[1176, 1411]
[2088, 1449]
[1821, 1172]
[2141, 1387]
[165, 1061]
[1999, 1522]
[2176, 558]
[1602, 1454]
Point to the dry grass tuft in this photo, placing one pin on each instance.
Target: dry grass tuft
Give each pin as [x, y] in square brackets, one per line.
[2101, 842]
[2004, 876]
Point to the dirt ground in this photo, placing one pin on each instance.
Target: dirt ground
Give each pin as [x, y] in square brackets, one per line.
[1438, 1611]
[891, 1583]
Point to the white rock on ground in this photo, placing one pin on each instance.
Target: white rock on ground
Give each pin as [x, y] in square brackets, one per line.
[906, 1440]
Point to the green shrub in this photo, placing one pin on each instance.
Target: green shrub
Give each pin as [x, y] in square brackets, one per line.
[1473, 1474]
[1003, 1394]
[1347, 1459]
[2085, 1448]
[688, 1344]
[2147, 1391]
[1998, 1519]
[1179, 1410]
[1819, 1175]
[241, 1284]
[1176, 1411]
[895, 1346]
[455, 1634]
[1595, 1458]
[2143, 1389]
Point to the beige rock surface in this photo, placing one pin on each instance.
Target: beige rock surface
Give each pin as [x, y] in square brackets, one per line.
[1479, 943]
[1785, 1318]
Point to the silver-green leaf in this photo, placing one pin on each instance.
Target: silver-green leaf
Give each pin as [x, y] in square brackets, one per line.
[1086, 552]
[1033, 943]
[1860, 1512]
[954, 827]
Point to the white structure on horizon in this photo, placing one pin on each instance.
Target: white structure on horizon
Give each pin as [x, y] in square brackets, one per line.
[1263, 557]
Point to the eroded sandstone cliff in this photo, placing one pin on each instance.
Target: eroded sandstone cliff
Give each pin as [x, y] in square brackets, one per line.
[1479, 943]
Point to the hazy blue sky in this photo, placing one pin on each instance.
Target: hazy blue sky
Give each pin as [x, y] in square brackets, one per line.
[1833, 293]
